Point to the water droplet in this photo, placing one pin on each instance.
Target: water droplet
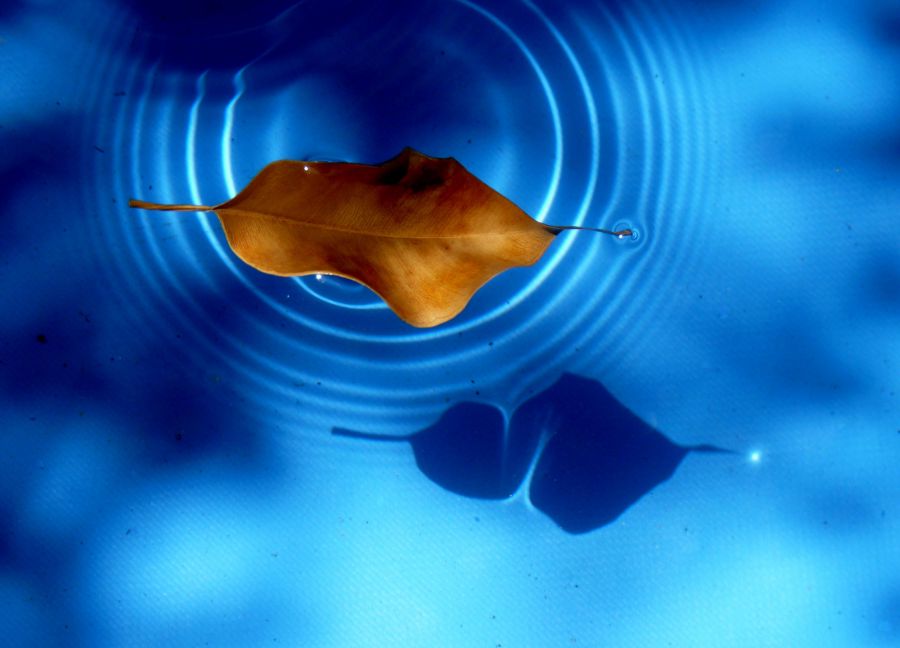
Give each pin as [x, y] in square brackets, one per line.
[625, 225]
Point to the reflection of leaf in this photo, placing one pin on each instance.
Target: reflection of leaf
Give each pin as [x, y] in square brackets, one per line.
[469, 451]
[587, 458]
[421, 232]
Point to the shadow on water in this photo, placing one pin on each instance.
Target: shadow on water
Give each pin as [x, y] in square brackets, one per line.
[884, 20]
[227, 34]
[70, 372]
[66, 345]
[10, 8]
[468, 451]
[883, 281]
[586, 459]
[331, 49]
[63, 382]
[44, 158]
[601, 458]
[210, 17]
[886, 617]
[595, 459]
[58, 359]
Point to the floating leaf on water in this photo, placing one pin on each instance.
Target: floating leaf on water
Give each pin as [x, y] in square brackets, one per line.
[422, 232]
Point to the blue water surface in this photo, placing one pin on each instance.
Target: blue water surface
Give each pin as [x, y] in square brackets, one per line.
[689, 437]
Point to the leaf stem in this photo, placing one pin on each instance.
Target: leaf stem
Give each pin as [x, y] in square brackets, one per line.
[141, 204]
[368, 436]
[556, 229]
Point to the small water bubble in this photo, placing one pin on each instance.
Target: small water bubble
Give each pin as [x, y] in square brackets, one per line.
[334, 289]
[625, 225]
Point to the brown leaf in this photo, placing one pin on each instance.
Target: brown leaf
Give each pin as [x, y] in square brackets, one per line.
[422, 232]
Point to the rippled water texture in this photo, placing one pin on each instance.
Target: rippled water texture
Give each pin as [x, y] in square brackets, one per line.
[564, 112]
[169, 473]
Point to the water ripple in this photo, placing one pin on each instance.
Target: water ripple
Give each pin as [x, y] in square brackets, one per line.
[582, 115]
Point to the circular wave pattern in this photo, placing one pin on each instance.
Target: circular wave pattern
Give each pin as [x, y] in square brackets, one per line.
[582, 115]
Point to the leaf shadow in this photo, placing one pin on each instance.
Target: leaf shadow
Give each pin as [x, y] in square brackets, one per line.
[589, 458]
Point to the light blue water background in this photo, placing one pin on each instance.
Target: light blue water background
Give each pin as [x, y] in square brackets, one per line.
[168, 472]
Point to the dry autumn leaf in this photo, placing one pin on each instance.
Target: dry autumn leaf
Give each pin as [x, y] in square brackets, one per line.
[422, 232]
